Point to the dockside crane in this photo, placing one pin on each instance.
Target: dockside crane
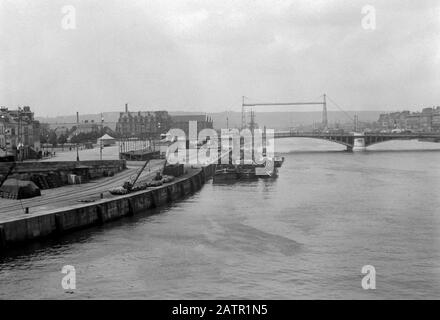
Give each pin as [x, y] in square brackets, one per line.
[128, 185]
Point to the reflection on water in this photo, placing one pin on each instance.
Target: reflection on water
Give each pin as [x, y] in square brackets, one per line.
[306, 234]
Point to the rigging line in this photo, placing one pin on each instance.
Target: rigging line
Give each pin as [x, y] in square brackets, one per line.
[351, 118]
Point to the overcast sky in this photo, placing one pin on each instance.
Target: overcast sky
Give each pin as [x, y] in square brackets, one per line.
[204, 55]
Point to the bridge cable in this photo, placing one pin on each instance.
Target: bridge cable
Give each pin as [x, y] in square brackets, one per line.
[345, 113]
[321, 96]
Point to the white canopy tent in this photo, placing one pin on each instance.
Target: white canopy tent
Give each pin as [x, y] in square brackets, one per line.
[106, 140]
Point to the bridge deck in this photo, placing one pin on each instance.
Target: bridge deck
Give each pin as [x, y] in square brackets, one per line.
[359, 139]
[280, 134]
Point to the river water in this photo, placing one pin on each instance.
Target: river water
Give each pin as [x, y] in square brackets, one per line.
[306, 234]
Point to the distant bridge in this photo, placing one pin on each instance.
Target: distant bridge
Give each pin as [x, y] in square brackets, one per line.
[244, 107]
[359, 141]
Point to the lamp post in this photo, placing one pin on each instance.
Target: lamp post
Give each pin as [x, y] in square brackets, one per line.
[20, 145]
[76, 134]
[2, 118]
[77, 151]
[100, 140]
[158, 133]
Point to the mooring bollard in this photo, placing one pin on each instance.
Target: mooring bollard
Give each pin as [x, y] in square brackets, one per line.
[26, 210]
[102, 196]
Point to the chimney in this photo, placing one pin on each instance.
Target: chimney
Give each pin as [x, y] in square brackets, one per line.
[126, 108]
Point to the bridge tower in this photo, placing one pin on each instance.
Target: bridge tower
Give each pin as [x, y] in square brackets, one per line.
[324, 113]
[356, 123]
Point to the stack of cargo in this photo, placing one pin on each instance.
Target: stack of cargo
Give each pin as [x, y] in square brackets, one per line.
[108, 173]
[54, 180]
[47, 181]
[17, 189]
[142, 186]
[40, 181]
[118, 191]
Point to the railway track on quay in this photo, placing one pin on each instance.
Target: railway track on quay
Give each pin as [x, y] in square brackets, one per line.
[72, 194]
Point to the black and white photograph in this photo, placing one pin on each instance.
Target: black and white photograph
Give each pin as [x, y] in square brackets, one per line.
[202, 150]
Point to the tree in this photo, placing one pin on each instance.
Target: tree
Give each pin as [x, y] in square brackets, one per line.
[43, 138]
[52, 138]
[62, 139]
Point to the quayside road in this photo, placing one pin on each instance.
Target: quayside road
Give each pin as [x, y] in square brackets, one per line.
[74, 194]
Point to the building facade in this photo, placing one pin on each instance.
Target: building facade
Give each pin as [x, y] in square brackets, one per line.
[182, 122]
[143, 124]
[428, 120]
[19, 134]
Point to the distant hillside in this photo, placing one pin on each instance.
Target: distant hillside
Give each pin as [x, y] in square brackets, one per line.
[276, 120]
[110, 119]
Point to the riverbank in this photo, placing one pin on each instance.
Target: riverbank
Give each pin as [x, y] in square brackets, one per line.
[16, 231]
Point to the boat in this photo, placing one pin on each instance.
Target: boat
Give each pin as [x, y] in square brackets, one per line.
[246, 171]
[225, 173]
